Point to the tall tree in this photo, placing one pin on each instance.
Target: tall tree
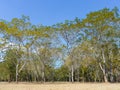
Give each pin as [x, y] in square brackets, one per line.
[100, 28]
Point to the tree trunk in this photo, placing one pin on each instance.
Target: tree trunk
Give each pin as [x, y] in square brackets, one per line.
[104, 73]
[105, 78]
[111, 68]
[69, 76]
[78, 75]
[43, 73]
[43, 76]
[17, 73]
[72, 73]
[111, 76]
[104, 67]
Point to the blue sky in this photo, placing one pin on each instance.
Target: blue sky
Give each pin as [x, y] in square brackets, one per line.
[49, 12]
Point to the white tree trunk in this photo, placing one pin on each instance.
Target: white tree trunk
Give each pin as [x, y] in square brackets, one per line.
[104, 73]
[17, 73]
[72, 73]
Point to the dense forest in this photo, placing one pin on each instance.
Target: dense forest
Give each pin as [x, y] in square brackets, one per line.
[81, 50]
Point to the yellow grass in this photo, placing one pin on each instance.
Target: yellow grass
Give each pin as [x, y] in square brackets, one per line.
[59, 86]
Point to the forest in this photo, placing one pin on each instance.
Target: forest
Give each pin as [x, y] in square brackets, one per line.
[79, 50]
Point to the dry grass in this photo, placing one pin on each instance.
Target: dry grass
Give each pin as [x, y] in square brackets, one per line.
[59, 86]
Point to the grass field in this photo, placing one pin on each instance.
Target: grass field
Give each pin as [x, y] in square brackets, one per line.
[59, 86]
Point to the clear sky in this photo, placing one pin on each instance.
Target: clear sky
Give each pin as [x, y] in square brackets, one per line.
[49, 12]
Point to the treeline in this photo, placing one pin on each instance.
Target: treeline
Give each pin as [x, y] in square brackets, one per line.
[82, 50]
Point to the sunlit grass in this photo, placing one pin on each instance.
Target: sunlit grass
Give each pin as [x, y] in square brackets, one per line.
[59, 86]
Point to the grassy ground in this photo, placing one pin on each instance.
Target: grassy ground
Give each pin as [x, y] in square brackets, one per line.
[59, 86]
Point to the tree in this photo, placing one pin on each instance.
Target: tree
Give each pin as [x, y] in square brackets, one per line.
[100, 28]
[11, 59]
